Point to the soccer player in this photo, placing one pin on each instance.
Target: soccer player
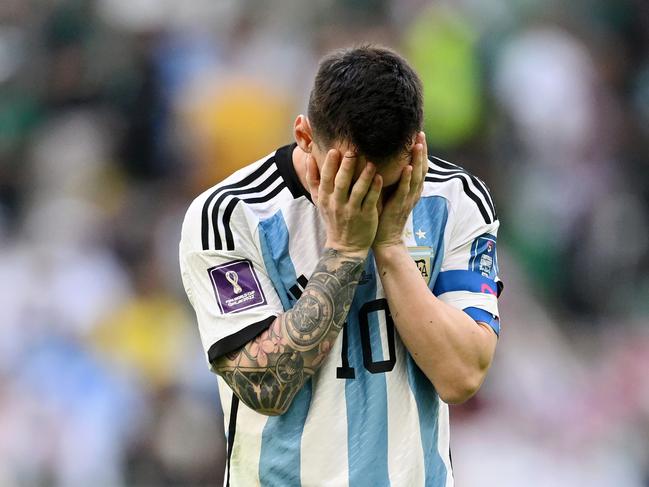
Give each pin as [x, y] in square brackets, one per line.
[346, 290]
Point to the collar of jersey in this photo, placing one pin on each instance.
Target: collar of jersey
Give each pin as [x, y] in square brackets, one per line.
[284, 162]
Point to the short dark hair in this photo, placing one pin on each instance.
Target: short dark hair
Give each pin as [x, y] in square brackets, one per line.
[369, 97]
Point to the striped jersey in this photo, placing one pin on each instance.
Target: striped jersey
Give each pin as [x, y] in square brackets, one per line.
[369, 416]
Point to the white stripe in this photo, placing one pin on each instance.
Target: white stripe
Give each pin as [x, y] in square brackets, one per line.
[467, 299]
[444, 439]
[404, 436]
[247, 449]
[383, 334]
[244, 462]
[324, 458]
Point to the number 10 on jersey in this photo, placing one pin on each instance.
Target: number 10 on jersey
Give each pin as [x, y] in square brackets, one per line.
[372, 366]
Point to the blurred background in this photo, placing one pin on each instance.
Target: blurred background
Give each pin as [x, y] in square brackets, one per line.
[114, 114]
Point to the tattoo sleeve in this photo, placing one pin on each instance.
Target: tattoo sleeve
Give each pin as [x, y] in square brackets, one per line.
[267, 372]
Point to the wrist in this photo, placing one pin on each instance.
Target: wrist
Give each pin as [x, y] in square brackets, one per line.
[389, 250]
[345, 251]
[390, 256]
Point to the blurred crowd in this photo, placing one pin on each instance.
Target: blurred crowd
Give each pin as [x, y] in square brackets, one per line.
[114, 114]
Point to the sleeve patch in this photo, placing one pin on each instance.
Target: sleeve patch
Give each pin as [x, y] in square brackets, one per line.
[483, 256]
[236, 286]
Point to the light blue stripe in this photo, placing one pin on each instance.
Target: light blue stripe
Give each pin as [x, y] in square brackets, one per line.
[279, 462]
[366, 400]
[430, 214]
[273, 236]
[427, 406]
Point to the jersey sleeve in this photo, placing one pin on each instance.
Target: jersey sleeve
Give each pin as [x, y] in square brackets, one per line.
[468, 279]
[230, 290]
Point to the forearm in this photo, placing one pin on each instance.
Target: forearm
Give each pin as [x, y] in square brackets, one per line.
[448, 346]
[267, 372]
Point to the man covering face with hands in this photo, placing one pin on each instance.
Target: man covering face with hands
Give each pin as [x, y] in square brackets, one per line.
[346, 289]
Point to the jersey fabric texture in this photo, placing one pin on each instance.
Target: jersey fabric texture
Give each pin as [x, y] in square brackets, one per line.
[369, 416]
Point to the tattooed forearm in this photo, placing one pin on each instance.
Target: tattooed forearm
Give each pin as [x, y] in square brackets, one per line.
[267, 372]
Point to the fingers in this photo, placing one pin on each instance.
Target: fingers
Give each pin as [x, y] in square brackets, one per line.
[417, 175]
[344, 177]
[404, 184]
[424, 153]
[328, 173]
[362, 185]
[312, 177]
[372, 196]
[419, 163]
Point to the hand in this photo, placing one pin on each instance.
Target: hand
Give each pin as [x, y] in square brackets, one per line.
[351, 217]
[397, 208]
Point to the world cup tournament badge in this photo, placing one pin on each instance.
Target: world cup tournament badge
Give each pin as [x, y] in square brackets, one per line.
[423, 257]
[236, 286]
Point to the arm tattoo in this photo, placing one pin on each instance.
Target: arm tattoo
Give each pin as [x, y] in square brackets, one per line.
[267, 372]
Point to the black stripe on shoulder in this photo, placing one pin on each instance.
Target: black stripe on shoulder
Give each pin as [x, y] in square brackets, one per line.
[263, 184]
[479, 183]
[227, 214]
[205, 224]
[476, 199]
[238, 339]
[472, 183]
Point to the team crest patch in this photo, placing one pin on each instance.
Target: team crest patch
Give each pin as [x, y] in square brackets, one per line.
[236, 286]
[423, 257]
[483, 256]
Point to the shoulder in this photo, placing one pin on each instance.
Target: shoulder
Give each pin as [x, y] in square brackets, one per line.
[467, 194]
[234, 204]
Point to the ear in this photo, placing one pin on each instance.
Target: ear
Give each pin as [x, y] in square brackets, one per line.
[303, 133]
